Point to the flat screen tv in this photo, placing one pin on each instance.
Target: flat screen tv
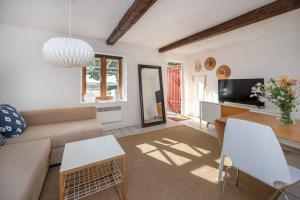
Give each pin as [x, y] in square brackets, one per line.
[238, 91]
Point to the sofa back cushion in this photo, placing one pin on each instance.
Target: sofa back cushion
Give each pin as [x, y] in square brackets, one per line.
[50, 116]
[12, 124]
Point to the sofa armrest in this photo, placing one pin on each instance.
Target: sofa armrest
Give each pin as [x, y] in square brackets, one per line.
[50, 116]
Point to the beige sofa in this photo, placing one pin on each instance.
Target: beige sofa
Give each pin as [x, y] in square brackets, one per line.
[25, 159]
[23, 169]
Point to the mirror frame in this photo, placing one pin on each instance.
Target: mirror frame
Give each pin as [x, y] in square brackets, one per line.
[163, 121]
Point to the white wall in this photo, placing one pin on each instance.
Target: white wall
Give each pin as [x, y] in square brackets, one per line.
[268, 57]
[27, 81]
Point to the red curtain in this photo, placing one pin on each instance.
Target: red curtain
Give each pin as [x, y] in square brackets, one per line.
[173, 88]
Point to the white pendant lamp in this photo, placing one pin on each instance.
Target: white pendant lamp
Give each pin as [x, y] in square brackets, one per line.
[68, 51]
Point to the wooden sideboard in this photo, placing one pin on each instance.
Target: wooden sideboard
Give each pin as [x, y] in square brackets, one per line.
[291, 133]
[210, 111]
[231, 110]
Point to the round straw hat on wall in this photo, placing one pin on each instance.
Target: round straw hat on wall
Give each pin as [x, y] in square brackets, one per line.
[223, 72]
[198, 67]
[210, 63]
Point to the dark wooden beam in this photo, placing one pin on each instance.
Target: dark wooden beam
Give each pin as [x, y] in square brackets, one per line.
[133, 14]
[267, 11]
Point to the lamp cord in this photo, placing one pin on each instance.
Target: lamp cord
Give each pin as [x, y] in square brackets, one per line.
[70, 18]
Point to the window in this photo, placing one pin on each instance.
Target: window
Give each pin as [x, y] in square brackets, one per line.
[103, 77]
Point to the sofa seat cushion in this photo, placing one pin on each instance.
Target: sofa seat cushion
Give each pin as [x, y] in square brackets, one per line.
[61, 133]
[23, 169]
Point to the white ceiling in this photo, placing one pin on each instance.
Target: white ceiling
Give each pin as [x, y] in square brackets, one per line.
[165, 22]
[92, 18]
[267, 28]
[170, 20]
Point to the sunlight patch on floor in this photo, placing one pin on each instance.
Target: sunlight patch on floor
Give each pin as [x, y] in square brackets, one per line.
[186, 149]
[145, 148]
[203, 151]
[170, 140]
[176, 159]
[227, 161]
[159, 156]
[162, 143]
[206, 172]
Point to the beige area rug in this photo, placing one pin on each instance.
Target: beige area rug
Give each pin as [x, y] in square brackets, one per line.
[178, 163]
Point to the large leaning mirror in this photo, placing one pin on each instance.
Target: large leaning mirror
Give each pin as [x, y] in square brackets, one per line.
[151, 95]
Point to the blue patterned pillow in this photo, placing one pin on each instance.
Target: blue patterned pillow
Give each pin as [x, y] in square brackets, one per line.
[2, 139]
[12, 123]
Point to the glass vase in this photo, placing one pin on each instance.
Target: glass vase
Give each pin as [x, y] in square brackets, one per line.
[286, 118]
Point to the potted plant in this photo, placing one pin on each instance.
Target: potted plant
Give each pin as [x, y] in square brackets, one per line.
[283, 92]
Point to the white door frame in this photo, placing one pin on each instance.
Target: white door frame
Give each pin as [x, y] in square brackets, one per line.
[195, 93]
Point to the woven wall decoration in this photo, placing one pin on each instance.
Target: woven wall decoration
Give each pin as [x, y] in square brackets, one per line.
[223, 72]
[210, 63]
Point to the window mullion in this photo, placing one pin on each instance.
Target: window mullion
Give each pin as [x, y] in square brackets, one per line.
[83, 78]
[103, 77]
[120, 78]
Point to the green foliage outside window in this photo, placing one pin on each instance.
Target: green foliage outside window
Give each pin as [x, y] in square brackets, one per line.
[93, 70]
[112, 68]
[112, 71]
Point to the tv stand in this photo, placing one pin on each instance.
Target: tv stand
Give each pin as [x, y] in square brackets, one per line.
[217, 114]
[210, 111]
[227, 110]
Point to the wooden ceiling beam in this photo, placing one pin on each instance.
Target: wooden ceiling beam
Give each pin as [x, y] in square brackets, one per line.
[267, 11]
[133, 14]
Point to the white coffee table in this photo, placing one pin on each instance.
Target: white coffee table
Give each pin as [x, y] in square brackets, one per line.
[90, 166]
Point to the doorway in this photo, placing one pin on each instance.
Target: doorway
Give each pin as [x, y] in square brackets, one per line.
[174, 88]
[174, 91]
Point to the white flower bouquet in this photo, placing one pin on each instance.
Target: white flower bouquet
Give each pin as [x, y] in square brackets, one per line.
[283, 92]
